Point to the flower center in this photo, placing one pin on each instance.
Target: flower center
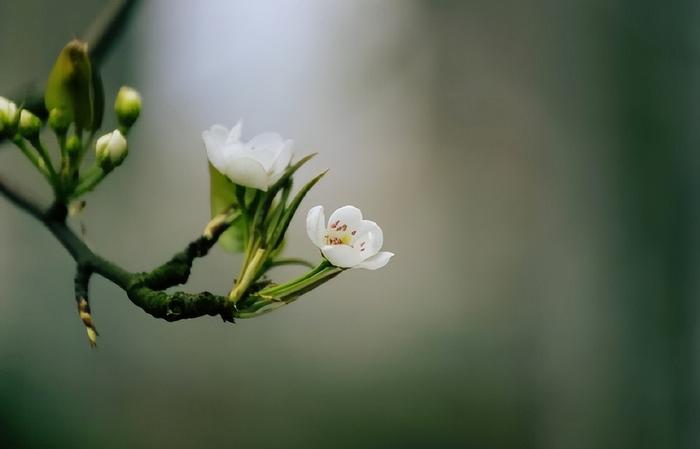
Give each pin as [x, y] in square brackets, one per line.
[339, 234]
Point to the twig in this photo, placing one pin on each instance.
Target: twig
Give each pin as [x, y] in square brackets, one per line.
[82, 280]
[143, 289]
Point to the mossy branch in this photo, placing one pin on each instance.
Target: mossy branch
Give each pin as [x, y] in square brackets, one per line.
[145, 290]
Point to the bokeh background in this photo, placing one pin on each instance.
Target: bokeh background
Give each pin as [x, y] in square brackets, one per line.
[533, 165]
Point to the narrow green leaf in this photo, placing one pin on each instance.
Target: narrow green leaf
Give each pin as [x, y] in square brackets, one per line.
[281, 229]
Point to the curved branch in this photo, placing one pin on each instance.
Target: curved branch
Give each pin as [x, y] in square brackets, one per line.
[143, 289]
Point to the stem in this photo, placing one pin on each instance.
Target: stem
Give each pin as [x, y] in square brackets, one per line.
[290, 261]
[271, 298]
[32, 156]
[248, 276]
[36, 142]
[92, 177]
[311, 279]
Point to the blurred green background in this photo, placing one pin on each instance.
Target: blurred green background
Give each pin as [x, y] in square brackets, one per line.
[532, 163]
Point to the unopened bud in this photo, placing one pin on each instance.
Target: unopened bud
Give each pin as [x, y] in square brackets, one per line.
[29, 124]
[8, 117]
[59, 120]
[127, 105]
[73, 147]
[110, 150]
[71, 86]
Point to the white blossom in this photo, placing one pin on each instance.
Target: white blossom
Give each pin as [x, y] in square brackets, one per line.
[347, 240]
[257, 163]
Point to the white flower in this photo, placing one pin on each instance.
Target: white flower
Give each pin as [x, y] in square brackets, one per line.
[257, 163]
[347, 241]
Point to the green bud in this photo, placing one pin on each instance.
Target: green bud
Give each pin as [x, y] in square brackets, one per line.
[110, 150]
[72, 86]
[59, 120]
[9, 116]
[29, 124]
[73, 146]
[127, 105]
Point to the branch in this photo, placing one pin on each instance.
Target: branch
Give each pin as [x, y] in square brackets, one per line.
[82, 279]
[143, 289]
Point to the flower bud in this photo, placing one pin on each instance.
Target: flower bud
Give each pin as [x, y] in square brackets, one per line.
[127, 105]
[29, 124]
[59, 120]
[73, 147]
[74, 86]
[110, 150]
[8, 117]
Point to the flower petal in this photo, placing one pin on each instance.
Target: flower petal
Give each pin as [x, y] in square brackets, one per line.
[215, 143]
[376, 261]
[371, 234]
[316, 225]
[265, 148]
[234, 136]
[247, 172]
[346, 215]
[343, 256]
[282, 160]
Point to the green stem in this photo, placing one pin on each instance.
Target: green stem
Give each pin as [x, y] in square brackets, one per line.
[32, 156]
[272, 298]
[36, 142]
[290, 261]
[92, 177]
[248, 275]
[281, 292]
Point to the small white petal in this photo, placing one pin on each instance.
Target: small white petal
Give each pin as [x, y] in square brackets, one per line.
[372, 234]
[265, 148]
[247, 172]
[215, 143]
[376, 261]
[282, 160]
[216, 135]
[342, 256]
[234, 136]
[316, 225]
[346, 215]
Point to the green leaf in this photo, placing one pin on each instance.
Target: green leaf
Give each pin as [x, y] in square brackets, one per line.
[278, 233]
[222, 197]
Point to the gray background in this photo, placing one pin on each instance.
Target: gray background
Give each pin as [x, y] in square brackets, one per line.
[533, 165]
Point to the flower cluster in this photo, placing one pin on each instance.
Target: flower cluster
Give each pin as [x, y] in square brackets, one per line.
[252, 197]
[256, 177]
[74, 104]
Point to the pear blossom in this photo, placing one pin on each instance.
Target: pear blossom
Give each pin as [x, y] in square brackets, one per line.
[257, 163]
[347, 240]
